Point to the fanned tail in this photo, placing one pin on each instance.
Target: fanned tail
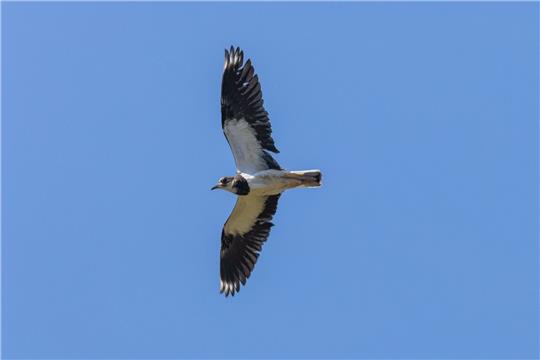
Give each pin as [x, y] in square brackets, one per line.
[309, 178]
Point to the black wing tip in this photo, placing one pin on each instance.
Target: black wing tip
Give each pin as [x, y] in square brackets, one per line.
[233, 49]
[229, 287]
[241, 93]
[234, 58]
[235, 270]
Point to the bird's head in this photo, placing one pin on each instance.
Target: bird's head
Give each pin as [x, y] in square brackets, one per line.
[225, 183]
[237, 185]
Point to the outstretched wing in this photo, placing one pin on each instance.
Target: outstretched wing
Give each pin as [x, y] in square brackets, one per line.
[243, 117]
[243, 235]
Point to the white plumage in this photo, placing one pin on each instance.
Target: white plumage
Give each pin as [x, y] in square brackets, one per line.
[259, 180]
[247, 151]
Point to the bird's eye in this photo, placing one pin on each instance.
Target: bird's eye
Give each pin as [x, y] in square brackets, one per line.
[223, 180]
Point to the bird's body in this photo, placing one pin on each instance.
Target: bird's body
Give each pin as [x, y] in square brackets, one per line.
[259, 180]
[273, 182]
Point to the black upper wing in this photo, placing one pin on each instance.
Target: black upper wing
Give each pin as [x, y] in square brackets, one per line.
[243, 235]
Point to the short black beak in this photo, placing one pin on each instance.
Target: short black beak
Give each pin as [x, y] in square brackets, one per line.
[215, 187]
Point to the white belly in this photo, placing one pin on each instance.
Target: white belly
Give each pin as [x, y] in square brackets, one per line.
[269, 182]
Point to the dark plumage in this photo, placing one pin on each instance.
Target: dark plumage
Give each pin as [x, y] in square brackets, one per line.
[240, 185]
[241, 97]
[259, 180]
[239, 253]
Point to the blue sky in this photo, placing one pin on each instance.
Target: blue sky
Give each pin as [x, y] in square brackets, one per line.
[423, 242]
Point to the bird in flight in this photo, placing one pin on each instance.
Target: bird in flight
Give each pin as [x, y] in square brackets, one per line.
[259, 180]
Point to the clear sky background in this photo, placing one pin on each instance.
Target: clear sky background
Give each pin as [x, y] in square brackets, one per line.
[423, 242]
